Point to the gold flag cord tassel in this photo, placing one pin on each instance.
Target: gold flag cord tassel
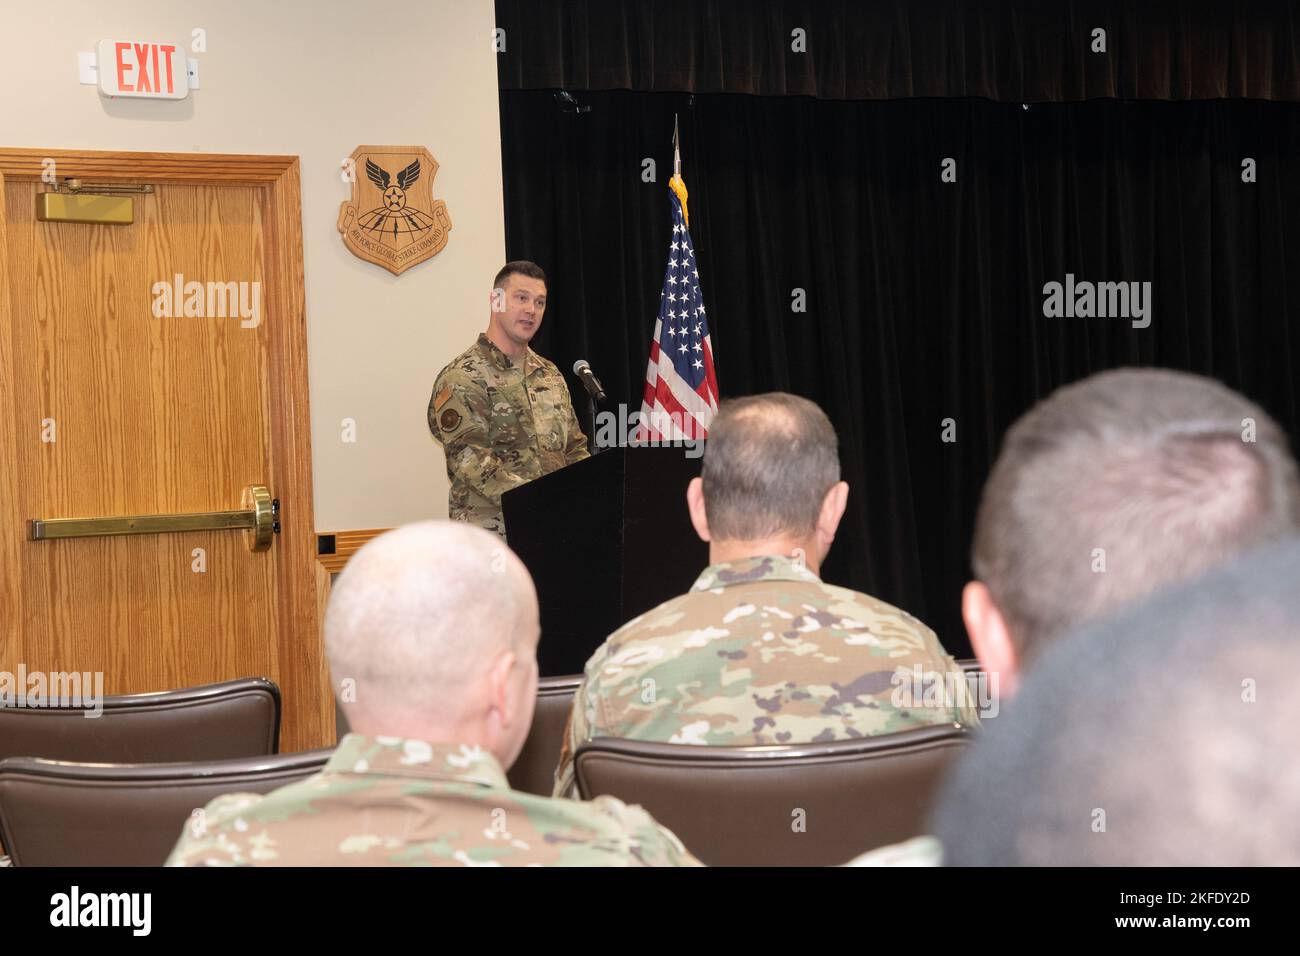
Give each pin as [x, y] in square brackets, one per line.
[679, 187]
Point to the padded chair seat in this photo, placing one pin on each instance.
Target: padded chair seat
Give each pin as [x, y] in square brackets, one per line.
[807, 805]
[238, 718]
[54, 813]
[534, 770]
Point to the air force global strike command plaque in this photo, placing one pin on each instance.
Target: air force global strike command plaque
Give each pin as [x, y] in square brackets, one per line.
[392, 218]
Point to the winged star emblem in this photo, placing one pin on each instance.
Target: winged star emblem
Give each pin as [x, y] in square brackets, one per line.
[397, 233]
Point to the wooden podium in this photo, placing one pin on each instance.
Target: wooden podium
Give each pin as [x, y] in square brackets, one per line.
[605, 539]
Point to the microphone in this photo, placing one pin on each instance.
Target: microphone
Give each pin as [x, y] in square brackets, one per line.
[593, 386]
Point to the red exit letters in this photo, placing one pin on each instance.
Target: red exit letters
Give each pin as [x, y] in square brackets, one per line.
[142, 69]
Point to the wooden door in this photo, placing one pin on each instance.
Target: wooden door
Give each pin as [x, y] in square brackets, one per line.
[114, 401]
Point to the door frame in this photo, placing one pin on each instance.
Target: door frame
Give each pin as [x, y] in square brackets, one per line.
[298, 610]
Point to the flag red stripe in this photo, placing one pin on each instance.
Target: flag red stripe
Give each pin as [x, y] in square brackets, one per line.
[690, 423]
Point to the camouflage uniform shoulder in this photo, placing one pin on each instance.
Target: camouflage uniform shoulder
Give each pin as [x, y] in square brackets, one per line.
[544, 362]
[460, 392]
[204, 838]
[395, 801]
[636, 629]
[761, 652]
[468, 363]
[605, 832]
[844, 595]
[230, 807]
[225, 809]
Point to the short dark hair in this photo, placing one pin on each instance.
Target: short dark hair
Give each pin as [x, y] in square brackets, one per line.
[1120, 483]
[1161, 736]
[518, 267]
[768, 462]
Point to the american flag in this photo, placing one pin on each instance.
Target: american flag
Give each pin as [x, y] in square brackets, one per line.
[681, 388]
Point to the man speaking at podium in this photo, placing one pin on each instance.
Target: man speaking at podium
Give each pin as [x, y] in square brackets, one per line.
[500, 411]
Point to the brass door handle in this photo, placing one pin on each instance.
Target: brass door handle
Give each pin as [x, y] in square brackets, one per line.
[260, 516]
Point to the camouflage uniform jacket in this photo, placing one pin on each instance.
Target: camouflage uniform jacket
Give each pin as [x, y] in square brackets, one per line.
[388, 801]
[500, 425]
[761, 652]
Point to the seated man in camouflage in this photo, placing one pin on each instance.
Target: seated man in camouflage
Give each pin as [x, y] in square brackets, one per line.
[437, 625]
[760, 650]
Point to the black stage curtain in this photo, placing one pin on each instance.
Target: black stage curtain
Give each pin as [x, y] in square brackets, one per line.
[924, 299]
[1021, 51]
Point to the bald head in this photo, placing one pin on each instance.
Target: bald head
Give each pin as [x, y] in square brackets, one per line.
[437, 625]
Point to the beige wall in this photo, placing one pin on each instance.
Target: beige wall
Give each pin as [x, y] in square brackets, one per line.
[316, 79]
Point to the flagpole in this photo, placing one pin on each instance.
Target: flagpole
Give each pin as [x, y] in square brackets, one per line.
[677, 154]
[676, 184]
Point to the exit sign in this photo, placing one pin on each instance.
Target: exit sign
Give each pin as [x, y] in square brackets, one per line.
[142, 68]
